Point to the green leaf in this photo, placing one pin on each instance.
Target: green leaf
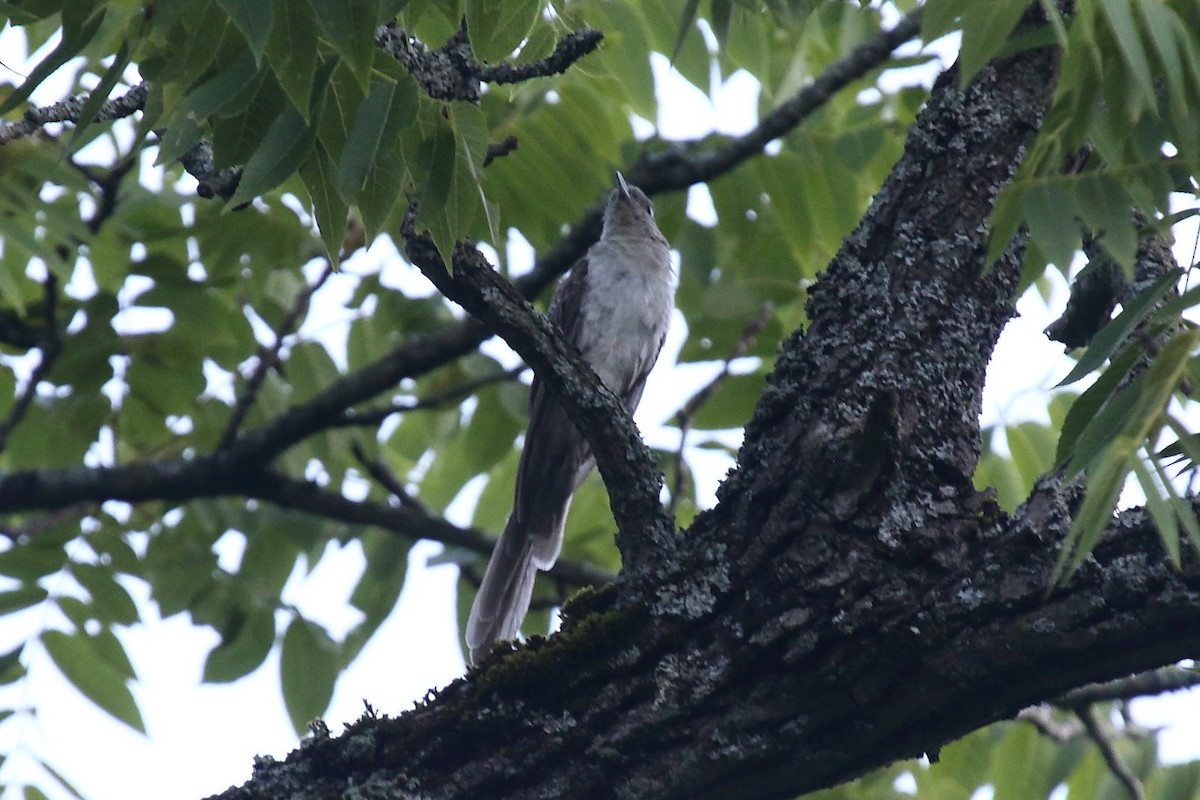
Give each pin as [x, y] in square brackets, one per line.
[106, 643]
[731, 403]
[292, 51]
[254, 18]
[282, 151]
[242, 649]
[471, 131]
[1161, 511]
[985, 30]
[239, 136]
[687, 20]
[1103, 428]
[100, 94]
[1114, 334]
[1032, 447]
[1162, 380]
[941, 17]
[29, 561]
[379, 588]
[309, 665]
[329, 209]
[1003, 224]
[77, 32]
[364, 139]
[1129, 40]
[1103, 487]
[210, 97]
[67, 786]
[1107, 210]
[1049, 213]
[82, 663]
[10, 663]
[720, 16]
[110, 601]
[350, 27]
[1084, 408]
[497, 29]
[21, 598]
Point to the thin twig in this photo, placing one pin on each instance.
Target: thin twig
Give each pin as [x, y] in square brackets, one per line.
[109, 185]
[406, 520]
[383, 475]
[1158, 681]
[70, 109]
[43, 523]
[434, 400]
[51, 346]
[268, 357]
[690, 163]
[1087, 715]
[683, 418]
[683, 166]
[1042, 718]
[500, 149]
[211, 180]
[451, 71]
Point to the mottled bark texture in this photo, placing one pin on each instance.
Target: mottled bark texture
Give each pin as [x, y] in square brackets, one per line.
[851, 600]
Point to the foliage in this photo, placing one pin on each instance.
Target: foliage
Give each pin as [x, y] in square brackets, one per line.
[156, 317]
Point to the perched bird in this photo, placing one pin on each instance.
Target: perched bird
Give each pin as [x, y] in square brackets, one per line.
[615, 306]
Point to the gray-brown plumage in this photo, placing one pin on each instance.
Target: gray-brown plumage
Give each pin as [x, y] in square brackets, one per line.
[615, 306]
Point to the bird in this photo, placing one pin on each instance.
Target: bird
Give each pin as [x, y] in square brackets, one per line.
[615, 306]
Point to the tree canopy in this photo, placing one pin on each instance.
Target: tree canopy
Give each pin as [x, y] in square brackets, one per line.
[878, 577]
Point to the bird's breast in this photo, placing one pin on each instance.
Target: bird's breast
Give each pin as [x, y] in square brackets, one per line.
[627, 309]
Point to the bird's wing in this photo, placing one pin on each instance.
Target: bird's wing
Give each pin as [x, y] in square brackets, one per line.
[631, 392]
[555, 452]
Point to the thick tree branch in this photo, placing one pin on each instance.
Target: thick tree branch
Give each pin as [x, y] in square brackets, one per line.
[833, 711]
[852, 599]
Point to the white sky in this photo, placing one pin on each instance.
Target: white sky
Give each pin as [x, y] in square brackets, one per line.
[203, 738]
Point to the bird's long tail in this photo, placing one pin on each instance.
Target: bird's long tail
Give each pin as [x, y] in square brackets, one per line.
[503, 598]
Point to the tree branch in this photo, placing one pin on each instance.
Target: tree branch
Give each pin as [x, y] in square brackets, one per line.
[69, 111]
[852, 599]
[689, 163]
[451, 72]
[268, 357]
[629, 471]
[406, 520]
[452, 394]
[1117, 765]
[683, 166]
[1158, 681]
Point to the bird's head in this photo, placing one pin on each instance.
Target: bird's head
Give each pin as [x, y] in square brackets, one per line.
[629, 212]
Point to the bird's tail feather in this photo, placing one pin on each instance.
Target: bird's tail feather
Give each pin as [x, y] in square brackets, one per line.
[503, 598]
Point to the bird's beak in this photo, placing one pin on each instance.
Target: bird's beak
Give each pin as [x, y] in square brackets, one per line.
[624, 187]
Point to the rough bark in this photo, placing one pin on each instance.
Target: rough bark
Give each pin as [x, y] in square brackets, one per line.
[852, 600]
